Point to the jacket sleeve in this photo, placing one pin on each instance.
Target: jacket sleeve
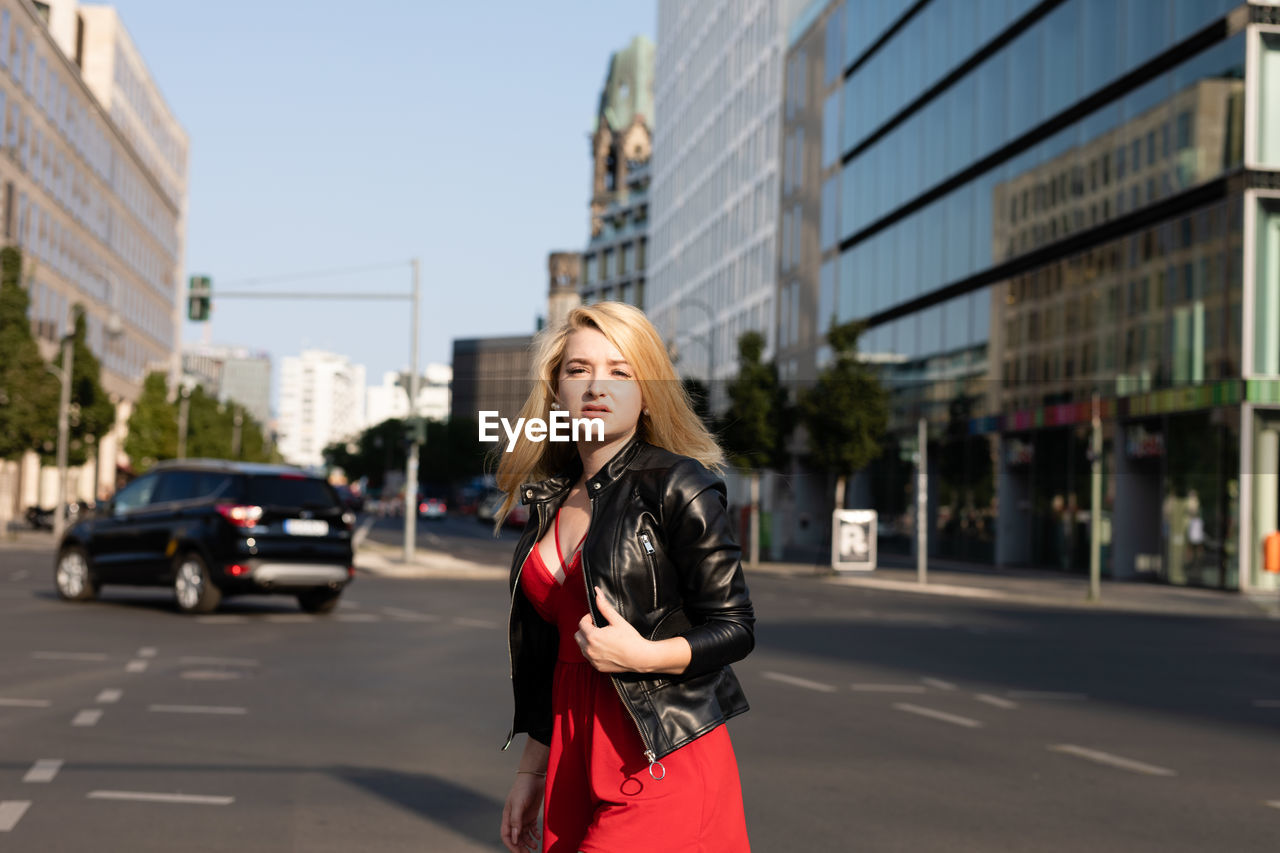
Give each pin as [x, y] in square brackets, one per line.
[707, 557]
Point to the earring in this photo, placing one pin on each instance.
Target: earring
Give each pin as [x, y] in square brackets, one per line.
[646, 411]
[555, 405]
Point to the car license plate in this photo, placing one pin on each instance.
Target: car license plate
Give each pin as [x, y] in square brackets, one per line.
[306, 527]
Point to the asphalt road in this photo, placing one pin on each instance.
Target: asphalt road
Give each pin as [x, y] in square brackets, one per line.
[880, 722]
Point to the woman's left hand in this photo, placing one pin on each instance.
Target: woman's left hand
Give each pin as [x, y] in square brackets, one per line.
[617, 647]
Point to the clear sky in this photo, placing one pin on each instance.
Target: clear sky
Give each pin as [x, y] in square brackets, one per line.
[332, 135]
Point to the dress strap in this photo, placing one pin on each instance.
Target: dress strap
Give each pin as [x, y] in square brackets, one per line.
[559, 558]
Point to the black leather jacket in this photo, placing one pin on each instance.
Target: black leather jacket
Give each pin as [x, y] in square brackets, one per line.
[661, 549]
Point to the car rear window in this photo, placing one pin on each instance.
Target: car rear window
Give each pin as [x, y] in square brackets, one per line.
[291, 491]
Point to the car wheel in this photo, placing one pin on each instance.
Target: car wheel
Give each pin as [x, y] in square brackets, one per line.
[321, 600]
[194, 591]
[73, 577]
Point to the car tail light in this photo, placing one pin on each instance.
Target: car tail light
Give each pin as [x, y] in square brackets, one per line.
[237, 570]
[241, 515]
[351, 572]
[422, 507]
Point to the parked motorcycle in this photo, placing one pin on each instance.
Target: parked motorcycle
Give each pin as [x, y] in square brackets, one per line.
[40, 518]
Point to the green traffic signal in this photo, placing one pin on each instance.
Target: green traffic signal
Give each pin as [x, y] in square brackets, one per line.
[199, 296]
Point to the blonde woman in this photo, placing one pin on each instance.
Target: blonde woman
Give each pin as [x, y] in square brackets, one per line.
[628, 605]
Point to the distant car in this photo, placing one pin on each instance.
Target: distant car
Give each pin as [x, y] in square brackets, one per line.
[351, 499]
[434, 508]
[213, 529]
[488, 511]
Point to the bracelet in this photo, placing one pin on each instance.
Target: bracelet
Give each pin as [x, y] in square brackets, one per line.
[532, 772]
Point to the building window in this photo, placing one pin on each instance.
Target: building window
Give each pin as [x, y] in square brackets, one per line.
[1268, 105]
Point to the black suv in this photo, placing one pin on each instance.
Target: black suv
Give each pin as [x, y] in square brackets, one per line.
[212, 528]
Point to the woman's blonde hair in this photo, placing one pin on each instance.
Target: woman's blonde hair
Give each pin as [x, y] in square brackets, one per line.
[671, 422]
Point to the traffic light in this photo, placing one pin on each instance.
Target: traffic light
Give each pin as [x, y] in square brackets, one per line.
[199, 293]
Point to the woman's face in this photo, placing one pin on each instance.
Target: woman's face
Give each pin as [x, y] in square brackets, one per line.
[596, 382]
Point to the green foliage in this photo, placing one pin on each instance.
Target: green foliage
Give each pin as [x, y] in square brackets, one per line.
[452, 452]
[28, 392]
[755, 428]
[846, 411]
[153, 425]
[153, 428]
[92, 412]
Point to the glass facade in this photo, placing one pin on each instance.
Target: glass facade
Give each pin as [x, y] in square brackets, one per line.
[1033, 204]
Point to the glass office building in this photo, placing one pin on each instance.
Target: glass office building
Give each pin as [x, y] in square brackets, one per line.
[1031, 204]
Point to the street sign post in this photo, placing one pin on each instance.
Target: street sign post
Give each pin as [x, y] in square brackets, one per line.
[853, 540]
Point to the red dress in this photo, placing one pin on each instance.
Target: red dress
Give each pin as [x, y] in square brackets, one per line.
[600, 796]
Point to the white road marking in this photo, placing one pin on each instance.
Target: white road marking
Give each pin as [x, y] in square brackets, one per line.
[87, 717]
[207, 661]
[938, 684]
[221, 619]
[144, 797]
[43, 770]
[68, 656]
[24, 703]
[1266, 703]
[800, 682]
[138, 665]
[887, 688]
[997, 701]
[20, 575]
[290, 617]
[1045, 694]
[11, 812]
[109, 696]
[474, 623]
[358, 617]
[1275, 804]
[147, 652]
[197, 709]
[409, 615]
[954, 719]
[1099, 757]
[211, 675]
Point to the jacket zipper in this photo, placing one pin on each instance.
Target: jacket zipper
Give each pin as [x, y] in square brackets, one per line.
[511, 611]
[653, 568]
[626, 703]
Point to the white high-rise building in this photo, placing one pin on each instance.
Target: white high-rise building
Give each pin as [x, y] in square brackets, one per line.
[321, 401]
[390, 400]
[714, 199]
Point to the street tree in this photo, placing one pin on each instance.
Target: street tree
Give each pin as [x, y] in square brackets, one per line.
[845, 412]
[153, 425]
[92, 412]
[755, 427]
[28, 392]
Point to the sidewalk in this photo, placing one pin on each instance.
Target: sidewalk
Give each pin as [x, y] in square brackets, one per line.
[388, 561]
[1040, 587]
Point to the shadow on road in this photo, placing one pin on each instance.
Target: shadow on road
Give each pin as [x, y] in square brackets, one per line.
[461, 810]
[1206, 668]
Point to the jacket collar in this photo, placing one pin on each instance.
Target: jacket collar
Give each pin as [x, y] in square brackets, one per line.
[610, 471]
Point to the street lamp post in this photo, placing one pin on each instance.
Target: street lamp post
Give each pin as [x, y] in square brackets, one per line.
[184, 411]
[411, 464]
[711, 333]
[237, 422]
[64, 429]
